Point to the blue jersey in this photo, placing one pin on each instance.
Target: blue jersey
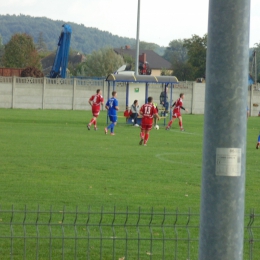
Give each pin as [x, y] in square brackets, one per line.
[112, 103]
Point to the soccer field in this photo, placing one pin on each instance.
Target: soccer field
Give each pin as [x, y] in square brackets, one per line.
[49, 158]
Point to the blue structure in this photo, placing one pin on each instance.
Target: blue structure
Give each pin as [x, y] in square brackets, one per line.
[167, 81]
[62, 54]
[250, 80]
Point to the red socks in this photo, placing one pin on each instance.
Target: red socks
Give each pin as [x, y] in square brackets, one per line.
[93, 120]
[146, 137]
[170, 123]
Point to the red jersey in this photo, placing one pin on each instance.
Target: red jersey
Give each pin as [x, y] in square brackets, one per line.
[96, 101]
[148, 111]
[178, 105]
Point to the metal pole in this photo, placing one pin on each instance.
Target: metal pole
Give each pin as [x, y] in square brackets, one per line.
[165, 86]
[127, 96]
[224, 145]
[137, 39]
[108, 95]
[146, 91]
[114, 85]
[170, 104]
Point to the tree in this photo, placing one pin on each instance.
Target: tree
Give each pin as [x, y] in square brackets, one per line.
[41, 45]
[183, 71]
[2, 48]
[255, 54]
[100, 63]
[165, 72]
[129, 61]
[147, 46]
[20, 52]
[32, 72]
[176, 52]
[197, 49]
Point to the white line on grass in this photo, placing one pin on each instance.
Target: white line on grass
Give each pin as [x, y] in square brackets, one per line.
[161, 156]
[184, 132]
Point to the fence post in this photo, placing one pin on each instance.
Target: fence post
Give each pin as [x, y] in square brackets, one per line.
[103, 91]
[224, 145]
[43, 92]
[192, 97]
[74, 89]
[13, 91]
[251, 99]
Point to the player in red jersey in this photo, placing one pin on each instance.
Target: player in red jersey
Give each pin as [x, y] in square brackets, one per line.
[148, 111]
[176, 113]
[95, 102]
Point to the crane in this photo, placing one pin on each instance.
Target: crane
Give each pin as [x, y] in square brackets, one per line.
[60, 64]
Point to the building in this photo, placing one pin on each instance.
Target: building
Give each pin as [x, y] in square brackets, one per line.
[156, 63]
[10, 72]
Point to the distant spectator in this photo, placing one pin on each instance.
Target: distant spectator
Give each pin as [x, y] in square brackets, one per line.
[155, 118]
[134, 112]
[164, 99]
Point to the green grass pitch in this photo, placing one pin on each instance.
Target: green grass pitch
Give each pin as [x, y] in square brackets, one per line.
[49, 158]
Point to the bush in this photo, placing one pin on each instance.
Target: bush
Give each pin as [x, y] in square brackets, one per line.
[32, 72]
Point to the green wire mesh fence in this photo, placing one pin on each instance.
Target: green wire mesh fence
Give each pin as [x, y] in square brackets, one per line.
[41, 234]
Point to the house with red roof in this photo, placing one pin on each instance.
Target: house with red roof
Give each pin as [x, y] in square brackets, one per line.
[156, 63]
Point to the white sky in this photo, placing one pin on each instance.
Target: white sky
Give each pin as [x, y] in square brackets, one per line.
[161, 21]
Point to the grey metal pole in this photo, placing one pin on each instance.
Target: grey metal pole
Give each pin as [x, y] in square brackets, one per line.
[255, 70]
[225, 128]
[137, 39]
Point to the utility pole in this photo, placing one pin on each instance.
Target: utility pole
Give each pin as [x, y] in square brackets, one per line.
[225, 129]
[137, 39]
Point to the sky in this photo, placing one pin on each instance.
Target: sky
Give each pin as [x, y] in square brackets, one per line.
[160, 21]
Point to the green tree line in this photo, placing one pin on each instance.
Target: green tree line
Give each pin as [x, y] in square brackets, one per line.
[35, 38]
[188, 58]
[83, 39]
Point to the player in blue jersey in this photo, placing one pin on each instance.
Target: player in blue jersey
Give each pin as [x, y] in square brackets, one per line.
[112, 107]
[258, 141]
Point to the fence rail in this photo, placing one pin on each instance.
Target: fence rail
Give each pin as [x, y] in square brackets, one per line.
[92, 234]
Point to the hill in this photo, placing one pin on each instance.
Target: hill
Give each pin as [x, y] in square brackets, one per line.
[83, 39]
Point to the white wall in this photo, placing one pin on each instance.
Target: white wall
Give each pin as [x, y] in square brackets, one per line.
[140, 95]
[45, 93]
[254, 100]
[6, 92]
